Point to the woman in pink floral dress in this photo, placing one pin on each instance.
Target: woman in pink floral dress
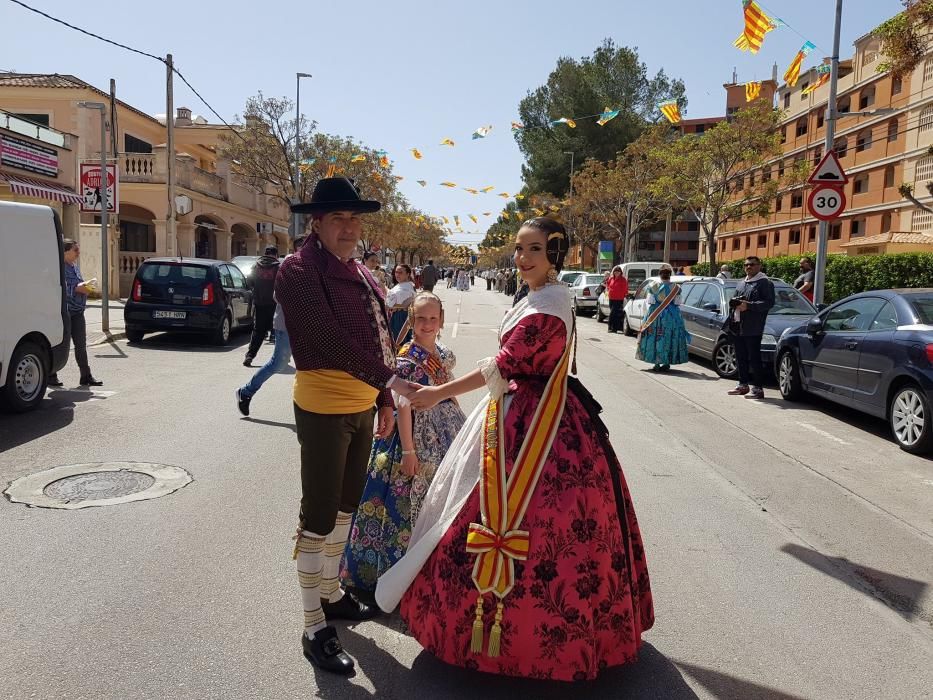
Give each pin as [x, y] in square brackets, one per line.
[556, 587]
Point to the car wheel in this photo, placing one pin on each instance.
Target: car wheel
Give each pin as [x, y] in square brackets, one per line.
[26, 378]
[789, 377]
[576, 309]
[724, 361]
[222, 334]
[626, 329]
[600, 316]
[135, 336]
[911, 419]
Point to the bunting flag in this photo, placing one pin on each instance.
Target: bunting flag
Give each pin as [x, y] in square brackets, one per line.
[384, 161]
[474, 219]
[671, 110]
[519, 196]
[505, 215]
[822, 80]
[487, 213]
[471, 190]
[416, 153]
[448, 184]
[448, 142]
[423, 183]
[457, 220]
[554, 208]
[607, 116]
[539, 212]
[566, 120]
[757, 24]
[483, 132]
[331, 169]
[358, 159]
[752, 90]
[792, 74]
[399, 178]
[487, 190]
[517, 126]
[446, 220]
[504, 195]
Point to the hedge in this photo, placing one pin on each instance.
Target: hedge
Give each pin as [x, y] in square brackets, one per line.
[847, 274]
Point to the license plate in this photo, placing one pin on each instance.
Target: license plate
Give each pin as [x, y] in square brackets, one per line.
[169, 314]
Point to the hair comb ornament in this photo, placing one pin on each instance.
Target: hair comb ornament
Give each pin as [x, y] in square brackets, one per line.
[556, 234]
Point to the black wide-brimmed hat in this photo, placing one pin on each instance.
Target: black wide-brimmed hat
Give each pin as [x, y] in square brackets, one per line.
[336, 194]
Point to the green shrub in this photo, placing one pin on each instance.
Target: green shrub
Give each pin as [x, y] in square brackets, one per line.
[847, 274]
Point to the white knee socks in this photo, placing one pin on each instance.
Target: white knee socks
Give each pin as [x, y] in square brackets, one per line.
[310, 556]
[333, 551]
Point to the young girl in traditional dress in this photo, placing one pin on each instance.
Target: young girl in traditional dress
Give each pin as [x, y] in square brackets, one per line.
[527, 559]
[402, 465]
[663, 338]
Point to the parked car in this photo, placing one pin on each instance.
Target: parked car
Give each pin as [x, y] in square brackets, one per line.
[188, 295]
[34, 322]
[585, 292]
[568, 277]
[636, 308]
[246, 263]
[872, 351]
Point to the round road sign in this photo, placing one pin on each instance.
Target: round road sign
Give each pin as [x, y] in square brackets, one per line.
[826, 203]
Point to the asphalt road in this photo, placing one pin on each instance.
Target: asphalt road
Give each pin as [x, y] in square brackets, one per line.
[790, 545]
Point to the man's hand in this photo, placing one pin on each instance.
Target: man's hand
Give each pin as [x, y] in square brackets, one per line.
[386, 422]
[426, 397]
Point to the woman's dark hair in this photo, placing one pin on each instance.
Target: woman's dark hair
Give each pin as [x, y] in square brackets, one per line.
[367, 256]
[405, 267]
[558, 243]
[665, 272]
[68, 244]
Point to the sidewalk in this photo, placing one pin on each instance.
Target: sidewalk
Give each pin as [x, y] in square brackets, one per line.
[93, 317]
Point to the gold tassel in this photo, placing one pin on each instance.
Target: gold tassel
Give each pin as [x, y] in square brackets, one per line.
[495, 636]
[476, 643]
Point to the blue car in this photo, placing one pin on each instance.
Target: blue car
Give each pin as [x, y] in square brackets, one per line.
[872, 351]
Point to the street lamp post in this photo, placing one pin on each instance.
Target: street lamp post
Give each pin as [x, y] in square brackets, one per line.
[570, 153]
[295, 224]
[104, 218]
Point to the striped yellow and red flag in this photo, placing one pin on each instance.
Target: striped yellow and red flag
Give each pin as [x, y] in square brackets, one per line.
[671, 110]
[822, 80]
[757, 24]
[792, 74]
[752, 90]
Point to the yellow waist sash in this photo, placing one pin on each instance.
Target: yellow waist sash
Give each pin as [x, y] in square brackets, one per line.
[332, 391]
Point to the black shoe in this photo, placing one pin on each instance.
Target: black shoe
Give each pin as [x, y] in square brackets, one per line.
[665, 368]
[326, 652]
[248, 362]
[90, 381]
[242, 402]
[348, 608]
[55, 381]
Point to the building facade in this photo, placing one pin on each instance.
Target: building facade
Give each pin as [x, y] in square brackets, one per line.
[222, 216]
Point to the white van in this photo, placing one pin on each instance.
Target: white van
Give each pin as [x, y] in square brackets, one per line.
[34, 321]
[638, 272]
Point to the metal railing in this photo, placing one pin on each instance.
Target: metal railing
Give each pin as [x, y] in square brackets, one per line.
[33, 130]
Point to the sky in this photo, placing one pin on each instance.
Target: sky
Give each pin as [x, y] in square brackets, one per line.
[410, 73]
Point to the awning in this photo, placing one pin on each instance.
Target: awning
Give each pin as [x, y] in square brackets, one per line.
[42, 189]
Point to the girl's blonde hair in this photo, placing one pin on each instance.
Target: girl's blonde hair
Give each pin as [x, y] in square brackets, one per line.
[421, 297]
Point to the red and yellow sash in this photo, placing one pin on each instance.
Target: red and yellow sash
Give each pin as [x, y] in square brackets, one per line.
[504, 498]
[654, 315]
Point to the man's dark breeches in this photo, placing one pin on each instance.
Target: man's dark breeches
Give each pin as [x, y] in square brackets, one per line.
[334, 459]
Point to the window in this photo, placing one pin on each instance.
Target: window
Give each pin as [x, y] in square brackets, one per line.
[693, 225]
[867, 97]
[751, 179]
[699, 129]
[844, 105]
[710, 296]
[863, 140]
[803, 86]
[784, 134]
[811, 234]
[855, 315]
[642, 291]
[893, 128]
[926, 117]
[781, 169]
[886, 320]
[896, 86]
[794, 236]
[766, 174]
[921, 220]
[802, 126]
[778, 203]
[777, 238]
[886, 222]
[786, 100]
[136, 237]
[841, 146]
[692, 245]
[226, 280]
[835, 231]
[42, 119]
[762, 240]
[131, 144]
[870, 57]
[239, 281]
[889, 176]
[694, 294]
[735, 244]
[856, 228]
[817, 155]
[860, 186]
[796, 200]
[927, 70]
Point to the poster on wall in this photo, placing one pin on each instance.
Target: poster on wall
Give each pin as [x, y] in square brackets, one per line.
[91, 188]
[16, 153]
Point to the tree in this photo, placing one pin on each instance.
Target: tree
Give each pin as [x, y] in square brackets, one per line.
[612, 77]
[905, 37]
[706, 174]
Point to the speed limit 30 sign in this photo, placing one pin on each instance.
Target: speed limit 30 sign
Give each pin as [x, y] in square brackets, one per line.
[826, 202]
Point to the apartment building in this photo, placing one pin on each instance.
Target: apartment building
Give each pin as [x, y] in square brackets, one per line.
[222, 215]
[883, 138]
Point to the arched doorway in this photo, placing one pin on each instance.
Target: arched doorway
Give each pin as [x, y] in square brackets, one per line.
[243, 241]
[205, 237]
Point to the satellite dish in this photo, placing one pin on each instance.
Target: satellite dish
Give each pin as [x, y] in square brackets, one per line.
[183, 204]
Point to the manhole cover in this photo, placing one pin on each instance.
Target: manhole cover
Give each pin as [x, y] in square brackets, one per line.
[97, 484]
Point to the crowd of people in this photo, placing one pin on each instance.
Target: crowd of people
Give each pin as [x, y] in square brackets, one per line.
[507, 538]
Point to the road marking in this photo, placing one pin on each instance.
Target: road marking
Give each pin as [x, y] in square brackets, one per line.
[457, 322]
[823, 433]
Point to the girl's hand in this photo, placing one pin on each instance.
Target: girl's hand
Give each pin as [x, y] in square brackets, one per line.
[425, 398]
[410, 464]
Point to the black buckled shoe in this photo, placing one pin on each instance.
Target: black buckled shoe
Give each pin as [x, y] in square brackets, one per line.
[349, 608]
[55, 381]
[326, 652]
[90, 381]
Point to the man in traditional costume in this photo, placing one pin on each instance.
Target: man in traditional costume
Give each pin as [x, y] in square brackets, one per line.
[336, 318]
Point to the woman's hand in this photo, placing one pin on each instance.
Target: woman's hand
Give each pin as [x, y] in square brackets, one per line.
[410, 464]
[426, 397]
[385, 422]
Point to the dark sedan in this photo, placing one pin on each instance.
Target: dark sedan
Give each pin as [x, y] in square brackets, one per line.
[704, 309]
[872, 351]
[188, 295]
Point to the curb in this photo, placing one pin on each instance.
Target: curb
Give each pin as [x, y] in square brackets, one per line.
[108, 338]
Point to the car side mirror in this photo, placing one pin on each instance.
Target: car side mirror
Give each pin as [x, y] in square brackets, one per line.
[820, 307]
[711, 307]
[815, 326]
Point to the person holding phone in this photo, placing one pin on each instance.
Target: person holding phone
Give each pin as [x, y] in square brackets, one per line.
[77, 289]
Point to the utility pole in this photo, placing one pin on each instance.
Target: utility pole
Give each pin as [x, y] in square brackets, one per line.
[294, 225]
[171, 230]
[667, 235]
[627, 254]
[104, 221]
[819, 281]
[570, 200]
